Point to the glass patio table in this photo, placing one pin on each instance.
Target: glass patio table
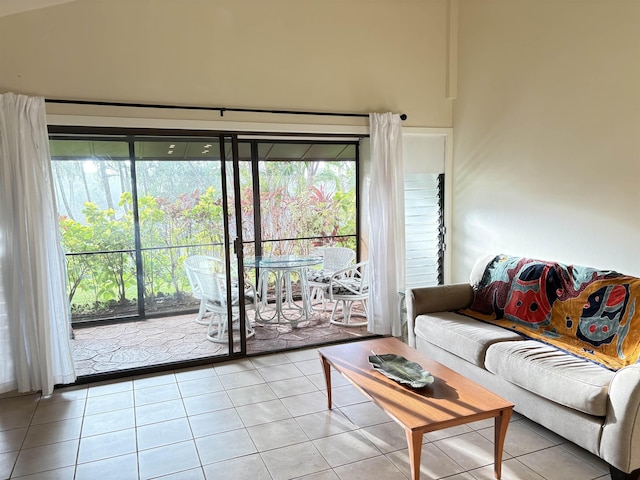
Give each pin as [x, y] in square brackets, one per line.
[280, 268]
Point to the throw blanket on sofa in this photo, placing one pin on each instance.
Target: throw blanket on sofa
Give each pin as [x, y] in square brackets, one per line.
[586, 312]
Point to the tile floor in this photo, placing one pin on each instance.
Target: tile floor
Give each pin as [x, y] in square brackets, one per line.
[261, 418]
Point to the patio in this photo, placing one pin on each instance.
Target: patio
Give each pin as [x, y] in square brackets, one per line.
[124, 346]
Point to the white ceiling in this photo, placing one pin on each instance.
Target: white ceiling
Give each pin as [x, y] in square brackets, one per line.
[9, 7]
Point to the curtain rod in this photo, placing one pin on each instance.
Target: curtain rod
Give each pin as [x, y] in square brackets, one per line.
[222, 110]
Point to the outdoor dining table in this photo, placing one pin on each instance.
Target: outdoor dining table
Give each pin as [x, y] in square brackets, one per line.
[280, 268]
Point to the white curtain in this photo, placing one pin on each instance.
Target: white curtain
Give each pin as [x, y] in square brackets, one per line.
[386, 224]
[35, 350]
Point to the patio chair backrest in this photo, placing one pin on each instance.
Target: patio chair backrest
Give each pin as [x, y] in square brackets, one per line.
[209, 283]
[352, 281]
[200, 262]
[337, 258]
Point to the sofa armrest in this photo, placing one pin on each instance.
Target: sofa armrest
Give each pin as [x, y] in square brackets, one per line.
[438, 298]
[620, 441]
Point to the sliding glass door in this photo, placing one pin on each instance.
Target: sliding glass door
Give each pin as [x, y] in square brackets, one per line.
[138, 208]
[93, 181]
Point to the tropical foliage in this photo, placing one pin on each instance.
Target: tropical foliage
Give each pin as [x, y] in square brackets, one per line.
[179, 212]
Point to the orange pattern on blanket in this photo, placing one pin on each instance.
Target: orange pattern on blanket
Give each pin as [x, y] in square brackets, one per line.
[586, 312]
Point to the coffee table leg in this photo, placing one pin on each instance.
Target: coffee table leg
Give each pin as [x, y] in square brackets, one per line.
[414, 440]
[326, 368]
[500, 432]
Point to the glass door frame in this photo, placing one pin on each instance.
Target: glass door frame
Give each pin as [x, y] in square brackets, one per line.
[132, 135]
[236, 243]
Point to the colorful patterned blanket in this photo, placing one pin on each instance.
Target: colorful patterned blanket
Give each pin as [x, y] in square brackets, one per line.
[586, 312]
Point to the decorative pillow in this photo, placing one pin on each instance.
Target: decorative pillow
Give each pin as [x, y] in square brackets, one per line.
[586, 312]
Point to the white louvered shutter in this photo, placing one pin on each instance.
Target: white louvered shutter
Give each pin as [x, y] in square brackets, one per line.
[423, 229]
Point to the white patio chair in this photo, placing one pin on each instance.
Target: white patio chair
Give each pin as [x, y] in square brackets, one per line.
[346, 287]
[214, 298]
[334, 259]
[200, 262]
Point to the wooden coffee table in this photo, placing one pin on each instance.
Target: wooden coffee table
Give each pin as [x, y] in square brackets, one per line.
[451, 400]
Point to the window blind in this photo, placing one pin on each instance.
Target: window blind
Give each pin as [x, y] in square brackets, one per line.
[424, 229]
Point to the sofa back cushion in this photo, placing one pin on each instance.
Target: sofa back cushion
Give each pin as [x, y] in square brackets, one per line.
[587, 312]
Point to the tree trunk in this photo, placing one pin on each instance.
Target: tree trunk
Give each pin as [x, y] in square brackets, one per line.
[84, 182]
[105, 185]
[63, 195]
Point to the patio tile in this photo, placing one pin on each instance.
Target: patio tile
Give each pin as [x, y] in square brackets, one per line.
[241, 379]
[310, 367]
[557, 463]
[234, 366]
[7, 461]
[242, 468]
[470, 450]
[270, 360]
[109, 348]
[207, 403]
[53, 432]
[192, 474]
[168, 459]
[155, 394]
[163, 433]
[115, 468]
[11, 440]
[224, 446]
[520, 439]
[378, 468]
[387, 437]
[64, 473]
[159, 412]
[268, 436]
[305, 403]
[434, 463]
[109, 403]
[106, 445]
[251, 394]
[511, 468]
[66, 394]
[263, 412]
[200, 386]
[284, 463]
[109, 386]
[46, 457]
[292, 386]
[108, 422]
[215, 422]
[324, 424]
[344, 448]
[194, 373]
[302, 355]
[153, 380]
[365, 414]
[58, 411]
[279, 372]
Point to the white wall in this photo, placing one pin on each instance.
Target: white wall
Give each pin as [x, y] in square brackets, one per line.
[547, 116]
[547, 132]
[321, 55]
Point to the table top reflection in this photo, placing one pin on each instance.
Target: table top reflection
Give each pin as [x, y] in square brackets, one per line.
[282, 261]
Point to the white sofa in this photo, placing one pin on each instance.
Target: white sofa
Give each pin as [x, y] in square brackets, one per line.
[592, 406]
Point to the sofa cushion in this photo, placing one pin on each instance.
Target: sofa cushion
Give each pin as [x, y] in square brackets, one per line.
[552, 374]
[463, 336]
